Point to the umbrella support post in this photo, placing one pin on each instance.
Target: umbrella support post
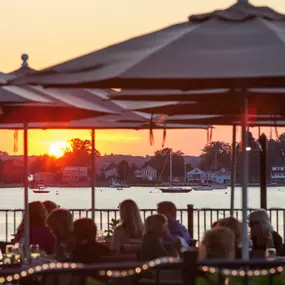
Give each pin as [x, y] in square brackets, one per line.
[245, 242]
[234, 168]
[26, 197]
[93, 174]
[263, 171]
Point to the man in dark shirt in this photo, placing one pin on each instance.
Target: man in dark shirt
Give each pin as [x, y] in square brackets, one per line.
[176, 230]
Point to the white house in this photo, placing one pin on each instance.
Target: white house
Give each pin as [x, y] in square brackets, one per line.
[278, 174]
[223, 176]
[111, 170]
[199, 176]
[74, 174]
[195, 175]
[147, 173]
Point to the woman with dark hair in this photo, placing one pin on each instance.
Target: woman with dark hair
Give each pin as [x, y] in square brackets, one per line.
[39, 232]
[60, 222]
[87, 250]
[50, 206]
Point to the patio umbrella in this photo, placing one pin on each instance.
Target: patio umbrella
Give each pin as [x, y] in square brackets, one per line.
[238, 48]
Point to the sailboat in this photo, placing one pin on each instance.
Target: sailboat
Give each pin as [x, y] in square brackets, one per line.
[174, 189]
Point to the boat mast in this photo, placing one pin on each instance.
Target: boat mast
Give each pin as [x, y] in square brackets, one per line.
[170, 165]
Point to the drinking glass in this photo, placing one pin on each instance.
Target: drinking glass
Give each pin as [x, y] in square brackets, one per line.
[9, 250]
[17, 252]
[34, 251]
[100, 236]
[270, 253]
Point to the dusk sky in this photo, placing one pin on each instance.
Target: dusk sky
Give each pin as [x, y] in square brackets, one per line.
[54, 31]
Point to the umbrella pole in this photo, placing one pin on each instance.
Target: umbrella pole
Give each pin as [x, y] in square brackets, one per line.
[93, 173]
[245, 243]
[26, 197]
[234, 168]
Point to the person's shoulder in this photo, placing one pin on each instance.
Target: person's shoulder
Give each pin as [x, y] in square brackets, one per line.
[276, 236]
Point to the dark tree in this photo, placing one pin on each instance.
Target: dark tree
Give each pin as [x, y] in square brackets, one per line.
[216, 155]
[161, 162]
[124, 170]
[79, 154]
[44, 163]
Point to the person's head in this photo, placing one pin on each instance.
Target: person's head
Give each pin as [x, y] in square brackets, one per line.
[85, 230]
[60, 222]
[259, 222]
[37, 216]
[50, 206]
[218, 243]
[157, 225]
[131, 220]
[234, 225]
[167, 209]
[215, 224]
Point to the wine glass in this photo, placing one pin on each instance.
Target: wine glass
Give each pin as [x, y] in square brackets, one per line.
[9, 250]
[34, 251]
[270, 253]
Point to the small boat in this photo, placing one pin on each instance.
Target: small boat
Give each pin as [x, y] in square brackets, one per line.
[203, 188]
[175, 190]
[120, 188]
[39, 191]
[219, 187]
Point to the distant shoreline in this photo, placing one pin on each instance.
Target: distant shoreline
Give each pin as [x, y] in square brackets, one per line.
[131, 185]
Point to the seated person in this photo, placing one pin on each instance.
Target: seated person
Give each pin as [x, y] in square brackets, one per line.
[87, 250]
[168, 209]
[130, 229]
[234, 225]
[218, 243]
[262, 234]
[50, 206]
[39, 231]
[60, 222]
[156, 229]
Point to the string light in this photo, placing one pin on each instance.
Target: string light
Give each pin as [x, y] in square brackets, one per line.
[139, 269]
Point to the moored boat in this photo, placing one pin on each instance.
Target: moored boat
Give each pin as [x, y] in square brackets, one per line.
[203, 188]
[40, 191]
[175, 190]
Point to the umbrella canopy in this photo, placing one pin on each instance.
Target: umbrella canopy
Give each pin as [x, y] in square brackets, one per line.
[240, 47]
[34, 104]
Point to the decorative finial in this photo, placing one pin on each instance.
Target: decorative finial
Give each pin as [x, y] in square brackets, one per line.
[25, 58]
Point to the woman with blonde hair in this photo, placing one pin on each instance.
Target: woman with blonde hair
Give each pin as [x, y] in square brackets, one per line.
[130, 229]
[39, 232]
[218, 243]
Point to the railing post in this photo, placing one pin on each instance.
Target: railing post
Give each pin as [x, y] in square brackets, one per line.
[189, 266]
[190, 214]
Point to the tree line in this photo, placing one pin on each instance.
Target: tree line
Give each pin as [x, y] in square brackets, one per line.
[214, 155]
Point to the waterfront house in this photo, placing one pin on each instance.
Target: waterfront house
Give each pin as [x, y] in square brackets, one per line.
[277, 174]
[110, 170]
[74, 174]
[147, 173]
[196, 175]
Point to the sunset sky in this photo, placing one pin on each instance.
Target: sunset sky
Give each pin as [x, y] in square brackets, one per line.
[57, 30]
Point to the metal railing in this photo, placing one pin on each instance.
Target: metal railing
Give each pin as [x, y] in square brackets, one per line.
[196, 220]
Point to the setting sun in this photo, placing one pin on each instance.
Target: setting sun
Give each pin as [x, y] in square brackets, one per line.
[58, 148]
